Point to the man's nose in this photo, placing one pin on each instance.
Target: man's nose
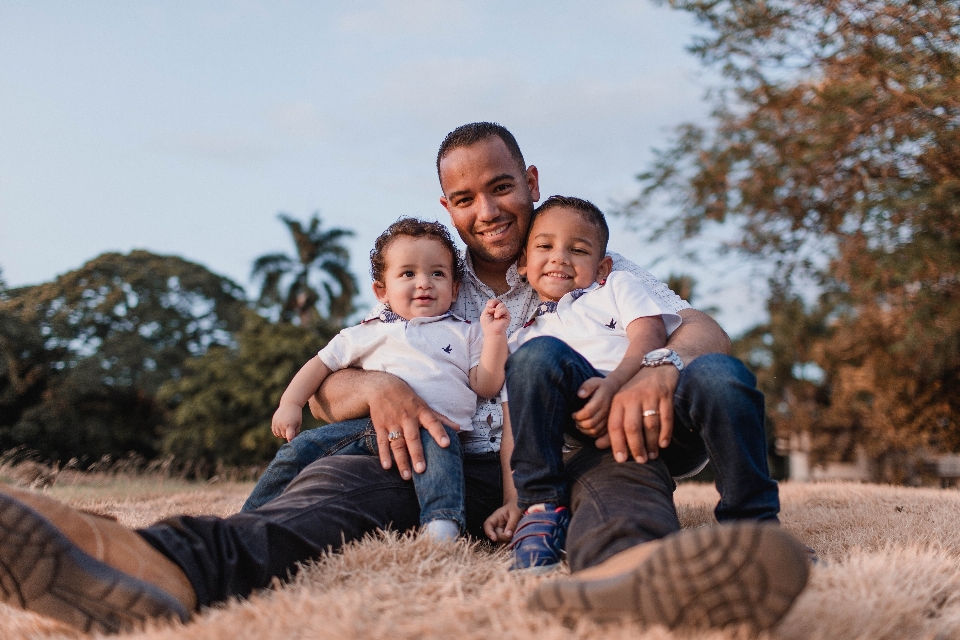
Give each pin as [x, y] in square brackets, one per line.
[487, 209]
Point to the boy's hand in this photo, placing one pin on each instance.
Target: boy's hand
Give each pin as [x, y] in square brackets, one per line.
[592, 418]
[287, 420]
[495, 319]
[501, 524]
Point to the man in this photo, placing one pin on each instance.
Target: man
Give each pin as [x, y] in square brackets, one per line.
[623, 544]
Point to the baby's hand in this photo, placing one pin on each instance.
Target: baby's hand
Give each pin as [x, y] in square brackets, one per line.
[495, 318]
[592, 418]
[287, 420]
[501, 524]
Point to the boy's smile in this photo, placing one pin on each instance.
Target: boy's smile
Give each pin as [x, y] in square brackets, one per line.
[562, 254]
[418, 278]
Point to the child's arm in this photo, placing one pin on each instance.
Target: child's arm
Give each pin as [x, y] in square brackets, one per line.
[500, 525]
[486, 379]
[645, 335]
[289, 416]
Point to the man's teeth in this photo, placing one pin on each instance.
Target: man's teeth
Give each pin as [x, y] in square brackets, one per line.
[494, 232]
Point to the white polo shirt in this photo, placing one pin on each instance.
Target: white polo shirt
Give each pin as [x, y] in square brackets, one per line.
[521, 300]
[593, 321]
[433, 355]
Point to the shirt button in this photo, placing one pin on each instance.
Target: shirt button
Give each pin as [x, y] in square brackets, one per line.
[492, 439]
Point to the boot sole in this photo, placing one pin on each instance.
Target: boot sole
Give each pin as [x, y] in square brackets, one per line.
[736, 574]
[41, 570]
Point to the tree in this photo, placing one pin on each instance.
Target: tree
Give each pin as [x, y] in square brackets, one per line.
[86, 353]
[833, 145]
[319, 274]
[222, 406]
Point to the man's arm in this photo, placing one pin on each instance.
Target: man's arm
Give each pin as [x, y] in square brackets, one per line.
[392, 406]
[652, 388]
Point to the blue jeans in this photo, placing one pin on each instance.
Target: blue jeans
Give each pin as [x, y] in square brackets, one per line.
[718, 414]
[440, 488]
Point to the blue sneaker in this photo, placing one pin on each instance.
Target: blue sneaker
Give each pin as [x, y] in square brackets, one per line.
[540, 539]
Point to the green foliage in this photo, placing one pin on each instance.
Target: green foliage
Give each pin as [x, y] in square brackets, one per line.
[222, 406]
[318, 276]
[833, 146]
[84, 355]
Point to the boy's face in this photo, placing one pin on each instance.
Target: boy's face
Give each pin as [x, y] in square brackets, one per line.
[563, 253]
[417, 278]
[490, 199]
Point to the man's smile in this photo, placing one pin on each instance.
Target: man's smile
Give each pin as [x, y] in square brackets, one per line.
[494, 232]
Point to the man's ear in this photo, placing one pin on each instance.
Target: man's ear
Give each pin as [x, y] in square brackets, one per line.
[522, 262]
[604, 268]
[533, 182]
[444, 203]
[380, 291]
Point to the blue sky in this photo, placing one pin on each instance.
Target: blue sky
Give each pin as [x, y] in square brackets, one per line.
[185, 127]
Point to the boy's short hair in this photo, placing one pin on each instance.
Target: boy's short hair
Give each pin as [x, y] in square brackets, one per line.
[415, 228]
[590, 212]
[468, 134]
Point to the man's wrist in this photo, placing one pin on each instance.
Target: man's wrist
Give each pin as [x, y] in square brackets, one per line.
[663, 356]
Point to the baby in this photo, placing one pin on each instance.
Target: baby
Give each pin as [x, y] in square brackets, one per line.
[591, 333]
[447, 361]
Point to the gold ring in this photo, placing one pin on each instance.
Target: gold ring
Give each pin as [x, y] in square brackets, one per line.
[394, 435]
[650, 412]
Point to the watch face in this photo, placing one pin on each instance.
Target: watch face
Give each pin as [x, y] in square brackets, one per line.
[658, 354]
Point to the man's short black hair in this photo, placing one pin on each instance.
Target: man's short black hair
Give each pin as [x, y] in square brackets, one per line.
[468, 134]
[590, 212]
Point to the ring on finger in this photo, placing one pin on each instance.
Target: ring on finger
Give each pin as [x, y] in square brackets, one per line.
[394, 435]
[650, 412]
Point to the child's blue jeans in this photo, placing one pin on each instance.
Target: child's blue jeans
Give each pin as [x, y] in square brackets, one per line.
[717, 412]
[440, 488]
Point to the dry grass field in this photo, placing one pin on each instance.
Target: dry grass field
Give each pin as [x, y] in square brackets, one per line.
[892, 571]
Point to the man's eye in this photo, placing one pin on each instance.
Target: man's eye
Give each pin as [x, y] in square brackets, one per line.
[464, 202]
[500, 188]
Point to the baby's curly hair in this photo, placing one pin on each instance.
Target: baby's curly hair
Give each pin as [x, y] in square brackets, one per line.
[415, 228]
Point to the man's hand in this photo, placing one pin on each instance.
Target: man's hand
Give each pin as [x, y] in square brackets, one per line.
[628, 430]
[287, 421]
[394, 407]
[592, 418]
[501, 524]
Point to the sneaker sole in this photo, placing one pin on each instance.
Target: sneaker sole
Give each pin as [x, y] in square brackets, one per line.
[41, 570]
[737, 574]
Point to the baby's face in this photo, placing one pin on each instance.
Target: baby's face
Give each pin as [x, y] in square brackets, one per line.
[562, 254]
[417, 278]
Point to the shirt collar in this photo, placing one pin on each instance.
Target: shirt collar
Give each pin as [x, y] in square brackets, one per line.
[514, 279]
[383, 313]
[549, 306]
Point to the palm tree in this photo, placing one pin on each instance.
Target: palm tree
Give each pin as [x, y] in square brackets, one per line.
[318, 277]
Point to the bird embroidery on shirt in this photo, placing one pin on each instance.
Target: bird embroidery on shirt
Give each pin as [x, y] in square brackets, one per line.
[448, 348]
[612, 325]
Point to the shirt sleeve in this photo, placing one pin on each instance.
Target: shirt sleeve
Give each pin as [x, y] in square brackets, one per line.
[635, 300]
[338, 352]
[660, 292]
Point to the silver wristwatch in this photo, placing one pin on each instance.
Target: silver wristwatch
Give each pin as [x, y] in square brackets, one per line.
[658, 357]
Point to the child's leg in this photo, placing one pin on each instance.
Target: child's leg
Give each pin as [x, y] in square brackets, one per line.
[543, 377]
[440, 487]
[350, 437]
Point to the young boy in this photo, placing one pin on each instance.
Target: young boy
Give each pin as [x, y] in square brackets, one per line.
[593, 326]
[447, 361]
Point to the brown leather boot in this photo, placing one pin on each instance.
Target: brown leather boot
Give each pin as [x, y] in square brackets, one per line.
[745, 573]
[86, 570]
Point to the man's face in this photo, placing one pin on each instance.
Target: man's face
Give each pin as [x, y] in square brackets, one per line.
[490, 199]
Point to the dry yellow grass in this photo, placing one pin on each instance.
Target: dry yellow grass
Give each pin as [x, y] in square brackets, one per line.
[893, 572]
